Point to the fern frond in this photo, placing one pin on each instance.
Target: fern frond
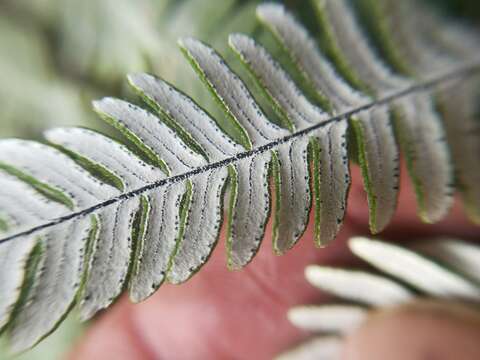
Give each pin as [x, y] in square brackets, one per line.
[439, 47]
[439, 269]
[85, 216]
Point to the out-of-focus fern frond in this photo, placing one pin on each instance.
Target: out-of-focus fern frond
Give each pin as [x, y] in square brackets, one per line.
[108, 215]
[443, 269]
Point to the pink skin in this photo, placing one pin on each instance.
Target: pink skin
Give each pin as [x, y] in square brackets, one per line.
[419, 331]
[241, 315]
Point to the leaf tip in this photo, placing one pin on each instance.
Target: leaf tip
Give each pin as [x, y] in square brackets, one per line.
[100, 106]
[359, 244]
[296, 315]
[269, 8]
[136, 79]
[188, 42]
[311, 273]
[235, 39]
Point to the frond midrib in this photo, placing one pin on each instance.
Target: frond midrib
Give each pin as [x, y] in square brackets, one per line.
[455, 74]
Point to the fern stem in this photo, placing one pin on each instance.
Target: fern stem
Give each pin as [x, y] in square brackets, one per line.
[455, 74]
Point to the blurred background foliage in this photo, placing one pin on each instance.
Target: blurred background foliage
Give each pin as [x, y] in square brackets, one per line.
[58, 55]
[469, 9]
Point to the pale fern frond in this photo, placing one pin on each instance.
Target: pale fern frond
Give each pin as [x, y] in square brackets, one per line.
[85, 216]
[431, 173]
[357, 286]
[438, 269]
[340, 318]
[440, 45]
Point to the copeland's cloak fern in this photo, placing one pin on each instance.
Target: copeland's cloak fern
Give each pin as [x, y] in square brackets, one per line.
[85, 216]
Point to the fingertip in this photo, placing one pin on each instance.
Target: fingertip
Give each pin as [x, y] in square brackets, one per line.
[423, 330]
